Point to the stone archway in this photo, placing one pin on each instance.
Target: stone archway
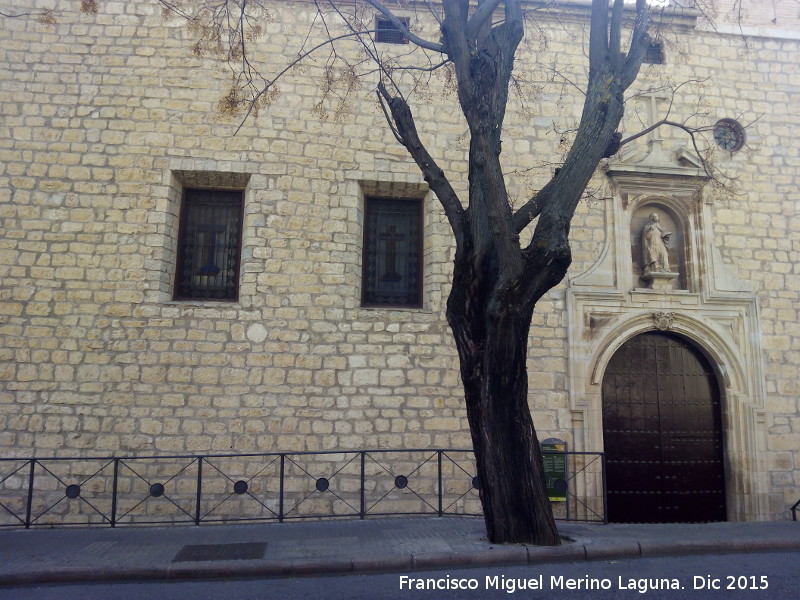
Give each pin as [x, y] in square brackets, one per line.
[663, 433]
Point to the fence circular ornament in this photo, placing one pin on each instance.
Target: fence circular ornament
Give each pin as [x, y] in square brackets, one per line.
[322, 484]
[401, 481]
[156, 490]
[73, 491]
[560, 486]
[240, 487]
[476, 482]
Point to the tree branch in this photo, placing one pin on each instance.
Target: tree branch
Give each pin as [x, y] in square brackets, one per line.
[644, 132]
[389, 120]
[291, 65]
[640, 40]
[406, 132]
[433, 11]
[598, 34]
[16, 15]
[480, 17]
[609, 77]
[455, 41]
[692, 131]
[530, 210]
[615, 40]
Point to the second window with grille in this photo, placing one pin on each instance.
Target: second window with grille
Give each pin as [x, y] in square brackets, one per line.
[392, 258]
[209, 245]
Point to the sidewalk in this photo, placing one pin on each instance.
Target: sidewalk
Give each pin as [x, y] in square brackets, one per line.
[340, 547]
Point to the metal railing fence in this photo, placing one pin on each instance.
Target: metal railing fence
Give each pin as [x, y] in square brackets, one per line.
[196, 489]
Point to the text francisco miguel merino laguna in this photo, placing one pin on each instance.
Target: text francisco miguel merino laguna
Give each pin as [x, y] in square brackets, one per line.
[560, 582]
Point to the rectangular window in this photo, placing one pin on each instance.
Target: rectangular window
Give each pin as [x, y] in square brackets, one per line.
[209, 245]
[388, 33]
[655, 54]
[392, 270]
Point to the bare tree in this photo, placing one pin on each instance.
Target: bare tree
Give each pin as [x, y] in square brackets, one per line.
[497, 280]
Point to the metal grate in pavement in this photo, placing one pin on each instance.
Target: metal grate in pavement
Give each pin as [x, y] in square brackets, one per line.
[216, 552]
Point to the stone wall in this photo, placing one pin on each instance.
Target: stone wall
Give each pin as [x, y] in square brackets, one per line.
[108, 116]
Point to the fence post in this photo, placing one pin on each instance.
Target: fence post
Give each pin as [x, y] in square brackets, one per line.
[605, 489]
[30, 495]
[199, 489]
[441, 491]
[280, 500]
[362, 511]
[114, 494]
[567, 473]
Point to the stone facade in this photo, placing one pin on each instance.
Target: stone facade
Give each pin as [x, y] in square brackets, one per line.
[108, 117]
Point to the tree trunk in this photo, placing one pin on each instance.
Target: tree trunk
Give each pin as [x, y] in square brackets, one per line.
[491, 335]
[496, 283]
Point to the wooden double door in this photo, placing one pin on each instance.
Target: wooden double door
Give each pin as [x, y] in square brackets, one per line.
[662, 430]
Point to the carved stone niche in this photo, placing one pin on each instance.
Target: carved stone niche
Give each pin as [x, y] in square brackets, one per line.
[656, 229]
[675, 204]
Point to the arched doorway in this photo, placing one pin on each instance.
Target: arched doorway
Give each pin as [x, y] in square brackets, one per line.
[662, 431]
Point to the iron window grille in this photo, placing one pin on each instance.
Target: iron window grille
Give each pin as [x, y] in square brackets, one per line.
[392, 259]
[209, 245]
[388, 33]
[654, 54]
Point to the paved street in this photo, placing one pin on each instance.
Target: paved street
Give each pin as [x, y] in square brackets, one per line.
[773, 576]
[392, 557]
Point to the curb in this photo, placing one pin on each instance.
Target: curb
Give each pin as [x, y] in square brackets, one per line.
[493, 556]
[711, 546]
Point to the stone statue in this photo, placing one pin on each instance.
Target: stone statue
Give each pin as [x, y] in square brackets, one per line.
[655, 253]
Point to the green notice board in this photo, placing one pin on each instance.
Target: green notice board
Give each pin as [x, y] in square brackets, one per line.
[555, 469]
